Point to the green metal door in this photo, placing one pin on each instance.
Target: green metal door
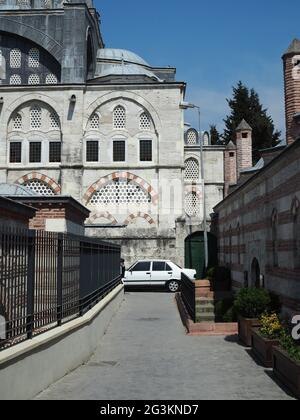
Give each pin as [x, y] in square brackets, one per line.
[195, 256]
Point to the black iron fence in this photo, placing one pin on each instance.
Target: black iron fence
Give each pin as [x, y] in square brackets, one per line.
[188, 295]
[47, 279]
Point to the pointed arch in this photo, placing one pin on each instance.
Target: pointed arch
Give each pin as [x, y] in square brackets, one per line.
[41, 179]
[139, 215]
[103, 215]
[102, 182]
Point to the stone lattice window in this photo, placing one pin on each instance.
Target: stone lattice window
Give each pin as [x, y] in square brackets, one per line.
[94, 122]
[51, 79]
[34, 58]
[119, 117]
[15, 79]
[15, 58]
[145, 123]
[39, 187]
[35, 117]
[17, 122]
[191, 170]
[192, 204]
[34, 79]
[25, 3]
[120, 191]
[192, 137]
[54, 120]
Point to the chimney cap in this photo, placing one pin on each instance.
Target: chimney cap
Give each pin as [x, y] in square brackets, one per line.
[294, 48]
[244, 126]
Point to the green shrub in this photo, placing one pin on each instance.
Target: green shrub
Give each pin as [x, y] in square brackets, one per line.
[288, 344]
[230, 315]
[252, 302]
[225, 311]
[211, 273]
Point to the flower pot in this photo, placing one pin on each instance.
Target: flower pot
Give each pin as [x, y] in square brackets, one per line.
[287, 370]
[262, 348]
[245, 329]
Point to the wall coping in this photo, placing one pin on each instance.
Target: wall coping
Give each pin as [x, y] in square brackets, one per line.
[28, 346]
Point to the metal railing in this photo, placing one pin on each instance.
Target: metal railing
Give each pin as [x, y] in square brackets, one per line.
[188, 295]
[47, 279]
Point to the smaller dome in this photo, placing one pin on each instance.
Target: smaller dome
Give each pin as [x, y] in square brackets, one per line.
[121, 55]
[124, 70]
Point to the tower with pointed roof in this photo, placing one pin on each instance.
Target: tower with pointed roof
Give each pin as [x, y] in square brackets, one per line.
[291, 62]
[244, 146]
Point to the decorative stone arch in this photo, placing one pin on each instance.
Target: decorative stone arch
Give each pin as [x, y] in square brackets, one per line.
[42, 178]
[103, 215]
[139, 215]
[31, 97]
[123, 175]
[42, 39]
[128, 96]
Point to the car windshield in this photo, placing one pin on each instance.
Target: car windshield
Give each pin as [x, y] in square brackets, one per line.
[178, 266]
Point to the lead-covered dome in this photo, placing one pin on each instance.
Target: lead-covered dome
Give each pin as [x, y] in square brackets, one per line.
[114, 54]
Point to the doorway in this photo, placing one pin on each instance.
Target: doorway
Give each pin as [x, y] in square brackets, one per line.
[255, 273]
[195, 254]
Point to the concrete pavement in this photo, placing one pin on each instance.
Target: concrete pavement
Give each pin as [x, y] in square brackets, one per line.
[145, 354]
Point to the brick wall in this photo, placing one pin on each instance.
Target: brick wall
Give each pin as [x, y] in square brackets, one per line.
[244, 150]
[39, 221]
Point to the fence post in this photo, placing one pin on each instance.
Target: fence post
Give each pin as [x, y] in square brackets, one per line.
[30, 283]
[60, 251]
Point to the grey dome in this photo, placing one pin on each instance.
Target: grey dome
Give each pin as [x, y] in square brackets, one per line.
[123, 70]
[15, 189]
[121, 55]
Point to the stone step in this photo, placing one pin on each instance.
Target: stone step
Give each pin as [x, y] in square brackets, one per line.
[206, 311]
[205, 318]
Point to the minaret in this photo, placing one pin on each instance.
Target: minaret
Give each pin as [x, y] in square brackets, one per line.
[291, 62]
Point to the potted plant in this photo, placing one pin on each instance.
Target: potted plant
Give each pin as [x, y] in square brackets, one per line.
[250, 304]
[286, 363]
[266, 337]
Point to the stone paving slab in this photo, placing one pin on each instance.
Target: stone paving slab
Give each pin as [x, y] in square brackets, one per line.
[147, 355]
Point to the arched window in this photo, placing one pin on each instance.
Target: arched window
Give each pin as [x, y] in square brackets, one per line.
[34, 79]
[191, 170]
[39, 187]
[275, 238]
[119, 117]
[94, 122]
[15, 58]
[191, 137]
[296, 231]
[54, 120]
[145, 122]
[51, 79]
[192, 204]
[15, 79]
[35, 117]
[120, 191]
[34, 58]
[17, 122]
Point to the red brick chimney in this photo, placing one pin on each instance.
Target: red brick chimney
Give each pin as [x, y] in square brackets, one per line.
[230, 166]
[291, 63]
[244, 147]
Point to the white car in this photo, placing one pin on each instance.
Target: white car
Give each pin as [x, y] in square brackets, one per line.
[156, 273]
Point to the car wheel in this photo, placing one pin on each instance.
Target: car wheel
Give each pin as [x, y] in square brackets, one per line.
[173, 286]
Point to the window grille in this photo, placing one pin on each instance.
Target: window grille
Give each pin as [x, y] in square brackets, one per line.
[51, 79]
[39, 187]
[192, 137]
[15, 58]
[94, 122]
[34, 79]
[145, 123]
[54, 120]
[15, 79]
[35, 117]
[146, 150]
[54, 151]
[119, 151]
[192, 204]
[121, 191]
[92, 151]
[34, 58]
[35, 152]
[191, 170]
[119, 117]
[17, 122]
[15, 152]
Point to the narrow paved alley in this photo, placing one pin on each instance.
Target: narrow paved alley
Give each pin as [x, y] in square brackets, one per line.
[146, 355]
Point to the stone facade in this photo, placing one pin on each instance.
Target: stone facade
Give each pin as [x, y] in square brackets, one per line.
[106, 128]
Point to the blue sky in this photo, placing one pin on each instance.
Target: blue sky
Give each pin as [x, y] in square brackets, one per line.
[213, 44]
